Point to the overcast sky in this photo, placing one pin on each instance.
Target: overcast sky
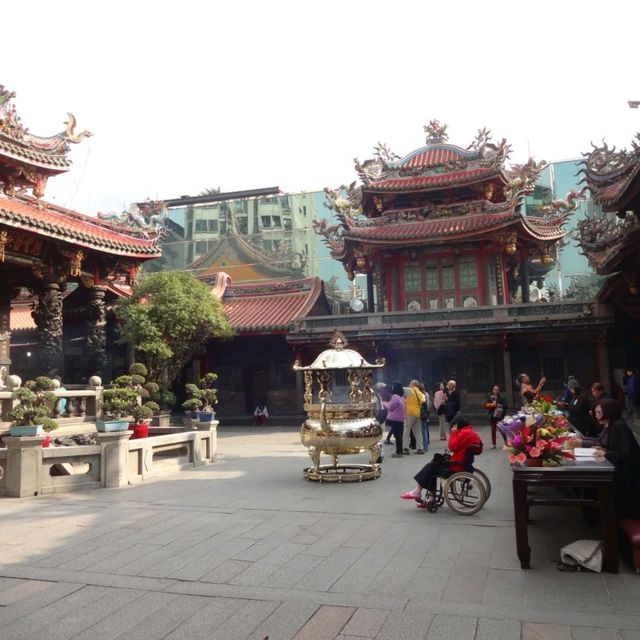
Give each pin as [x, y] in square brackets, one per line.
[186, 95]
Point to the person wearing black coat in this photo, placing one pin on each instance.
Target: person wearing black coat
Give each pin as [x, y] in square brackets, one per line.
[579, 413]
[497, 405]
[617, 443]
[452, 401]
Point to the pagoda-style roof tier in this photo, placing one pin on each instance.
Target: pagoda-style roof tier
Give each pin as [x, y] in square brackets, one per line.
[28, 160]
[269, 306]
[613, 177]
[438, 194]
[57, 223]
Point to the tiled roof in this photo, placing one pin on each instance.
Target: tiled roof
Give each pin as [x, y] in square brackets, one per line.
[270, 306]
[450, 228]
[53, 162]
[433, 155]
[434, 181]
[613, 193]
[432, 229]
[20, 318]
[58, 223]
[543, 230]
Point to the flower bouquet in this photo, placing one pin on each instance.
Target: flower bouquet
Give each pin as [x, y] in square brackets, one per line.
[540, 447]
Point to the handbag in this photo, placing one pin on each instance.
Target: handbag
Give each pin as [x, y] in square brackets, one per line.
[424, 411]
[441, 409]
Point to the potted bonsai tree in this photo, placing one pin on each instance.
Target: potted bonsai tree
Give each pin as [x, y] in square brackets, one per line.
[32, 415]
[202, 399]
[127, 397]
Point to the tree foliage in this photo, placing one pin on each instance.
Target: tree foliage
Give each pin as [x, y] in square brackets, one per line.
[168, 320]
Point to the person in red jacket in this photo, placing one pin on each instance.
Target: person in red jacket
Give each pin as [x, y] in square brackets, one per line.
[464, 442]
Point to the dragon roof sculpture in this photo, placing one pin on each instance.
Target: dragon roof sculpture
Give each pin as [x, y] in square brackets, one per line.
[613, 176]
[28, 160]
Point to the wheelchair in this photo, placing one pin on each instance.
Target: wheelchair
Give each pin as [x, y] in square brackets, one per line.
[465, 492]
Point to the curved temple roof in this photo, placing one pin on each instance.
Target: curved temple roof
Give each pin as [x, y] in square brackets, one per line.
[57, 223]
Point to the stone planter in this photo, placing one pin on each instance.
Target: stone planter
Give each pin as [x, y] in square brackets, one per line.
[105, 426]
[26, 430]
[162, 419]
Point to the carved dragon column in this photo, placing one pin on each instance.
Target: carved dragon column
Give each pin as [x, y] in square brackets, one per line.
[5, 334]
[97, 331]
[47, 314]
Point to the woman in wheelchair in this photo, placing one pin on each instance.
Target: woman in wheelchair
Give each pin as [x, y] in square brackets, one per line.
[464, 444]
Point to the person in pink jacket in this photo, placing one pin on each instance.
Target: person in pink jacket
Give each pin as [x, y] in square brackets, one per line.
[396, 413]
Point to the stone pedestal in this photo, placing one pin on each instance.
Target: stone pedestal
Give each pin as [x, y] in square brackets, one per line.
[24, 464]
[114, 470]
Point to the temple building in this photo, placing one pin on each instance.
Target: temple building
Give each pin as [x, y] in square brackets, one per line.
[57, 261]
[611, 239]
[450, 255]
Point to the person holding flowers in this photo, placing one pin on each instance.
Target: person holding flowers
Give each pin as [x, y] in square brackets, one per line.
[528, 392]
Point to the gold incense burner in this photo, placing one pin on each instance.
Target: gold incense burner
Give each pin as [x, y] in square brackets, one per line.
[342, 421]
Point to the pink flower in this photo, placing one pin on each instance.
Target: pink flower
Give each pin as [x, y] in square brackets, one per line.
[540, 444]
[512, 458]
[534, 452]
[521, 457]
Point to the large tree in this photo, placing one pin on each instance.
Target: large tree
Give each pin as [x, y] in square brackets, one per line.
[168, 320]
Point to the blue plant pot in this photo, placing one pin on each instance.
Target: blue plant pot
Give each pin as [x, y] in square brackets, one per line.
[112, 425]
[26, 430]
[206, 416]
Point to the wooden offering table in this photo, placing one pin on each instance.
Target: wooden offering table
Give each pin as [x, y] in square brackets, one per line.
[589, 473]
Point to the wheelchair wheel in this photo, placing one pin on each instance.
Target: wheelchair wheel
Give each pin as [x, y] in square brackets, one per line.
[464, 493]
[482, 477]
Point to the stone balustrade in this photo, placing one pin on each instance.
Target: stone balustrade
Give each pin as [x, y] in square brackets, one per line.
[81, 404]
[28, 469]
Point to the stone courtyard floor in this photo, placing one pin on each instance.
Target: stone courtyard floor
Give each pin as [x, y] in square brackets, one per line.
[246, 548]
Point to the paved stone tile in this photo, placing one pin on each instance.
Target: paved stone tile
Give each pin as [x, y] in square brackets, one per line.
[365, 623]
[165, 620]
[263, 569]
[452, 628]
[80, 618]
[121, 621]
[58, 592]
[47, 616]
[396, 574]
[293, 572]
[492, 629]
[331, 568]
[285, 622]
[504, 586]
[465, 588]
[20, 590]
[359, 577]
[594, 633]
[405, 626]
[204, 562]
[538, 631]
[226, 571]
[326, 623]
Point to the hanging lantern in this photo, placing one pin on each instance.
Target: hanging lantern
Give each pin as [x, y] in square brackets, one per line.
[511, 248]
[633, 288]
[361, 262]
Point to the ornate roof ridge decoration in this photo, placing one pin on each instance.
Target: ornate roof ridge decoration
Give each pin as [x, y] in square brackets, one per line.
[436, 132]
[601, 236]
[272, 287]
[608, 172]
[148, 219]
[559, 211]
[522, 177]
[31, 159]
[28, 214]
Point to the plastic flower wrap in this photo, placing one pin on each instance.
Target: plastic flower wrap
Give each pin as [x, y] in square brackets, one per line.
[537, 444]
